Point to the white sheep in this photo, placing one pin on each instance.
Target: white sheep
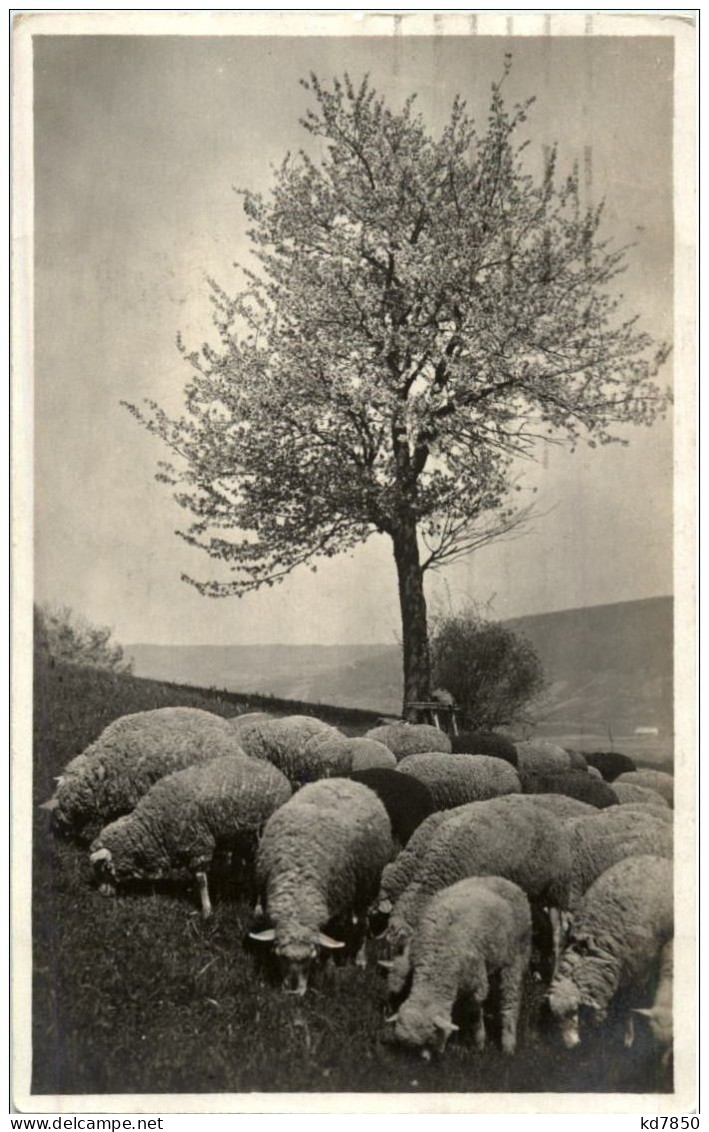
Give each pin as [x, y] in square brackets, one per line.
[185, 817]
[410, 738]
[538, 756]
[320, 857]
[658, 780]
[609, 836]
[293, 743]
[630, 792]
[509, 837]
[662, 813]
[346, 755]
[111, 776]
[660, 1013]
[454, 780]
[399, 873]
[620, 928]
[472, 930]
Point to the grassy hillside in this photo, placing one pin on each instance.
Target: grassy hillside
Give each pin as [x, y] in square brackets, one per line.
[609, 667]
[136, 995]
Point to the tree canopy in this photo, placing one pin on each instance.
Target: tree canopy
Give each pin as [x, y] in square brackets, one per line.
[424, 311]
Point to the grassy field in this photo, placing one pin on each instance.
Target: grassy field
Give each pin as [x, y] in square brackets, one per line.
[136, 995]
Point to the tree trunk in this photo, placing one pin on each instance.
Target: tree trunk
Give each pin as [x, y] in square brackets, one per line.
[417, 660]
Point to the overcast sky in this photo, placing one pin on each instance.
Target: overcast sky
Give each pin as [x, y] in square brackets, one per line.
[138, 143]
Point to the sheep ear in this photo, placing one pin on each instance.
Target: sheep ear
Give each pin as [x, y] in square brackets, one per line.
[644, 1012]
[392, 1017]
[100, 855]
[445, 1025]
[387, 964]
[50, 805]
[266, 936]
[326, 941]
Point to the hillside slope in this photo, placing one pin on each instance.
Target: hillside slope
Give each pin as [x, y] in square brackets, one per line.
[608, 666]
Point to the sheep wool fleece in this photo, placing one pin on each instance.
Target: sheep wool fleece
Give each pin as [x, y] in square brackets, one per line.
[508, 837]
[468, 931]
[410, 738]
[456, 779]
[613, 834]
[185, 816]
[132, 753]
[618, 932]
[292, 744]
[321, 855]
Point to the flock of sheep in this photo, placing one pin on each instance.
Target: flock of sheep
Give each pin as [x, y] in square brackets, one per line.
[468, 859]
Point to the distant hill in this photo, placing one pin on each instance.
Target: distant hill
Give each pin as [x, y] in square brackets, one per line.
[608, 666]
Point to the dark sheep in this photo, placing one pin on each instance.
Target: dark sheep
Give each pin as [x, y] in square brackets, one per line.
[406, 800]
[611, 763]
[484, 743]
[574, 783]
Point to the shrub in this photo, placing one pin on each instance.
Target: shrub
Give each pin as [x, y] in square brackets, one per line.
[494, 673]
[62, 636]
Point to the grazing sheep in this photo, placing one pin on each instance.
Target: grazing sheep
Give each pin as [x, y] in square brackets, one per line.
[484, 743]
[410, 738]
[538, 756]
[657, 780]
[610, 763]
[477, 927]
[629, 792]
[320, 857]
[185, 817]
[406, 800]
[574, 783]
[662, 813]
[600, 841]
[577, 761]
[399, 873]
[454, 780]
[595, 773]
[620, 928]
[111, 776]
[242, 724]
[352, 754]
[509, 837]
[298, 746]
[660, 1013]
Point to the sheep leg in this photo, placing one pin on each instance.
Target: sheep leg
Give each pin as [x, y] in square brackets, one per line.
[510, 1000]
[629, 1036]
[361, 956]
[557, 930]
[479, 1034]
[203, 889]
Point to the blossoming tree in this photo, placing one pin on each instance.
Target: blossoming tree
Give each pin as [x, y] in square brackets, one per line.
[425, 310]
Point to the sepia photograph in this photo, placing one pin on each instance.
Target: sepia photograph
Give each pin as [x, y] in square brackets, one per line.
[354, 556]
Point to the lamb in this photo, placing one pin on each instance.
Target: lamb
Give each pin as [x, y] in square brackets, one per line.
[111, 776]
[660, 1013]
[574, 783]
[296, 744]
[610, 763]
[484, 743]
[509, 837]
[601, 841]
[541, 757]
[321, 856]
[477, 927]
[629, 792]
[454, 780]
[621, 926]
[410, 738]
[185, 817]
[657, 780]
[406, 800]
